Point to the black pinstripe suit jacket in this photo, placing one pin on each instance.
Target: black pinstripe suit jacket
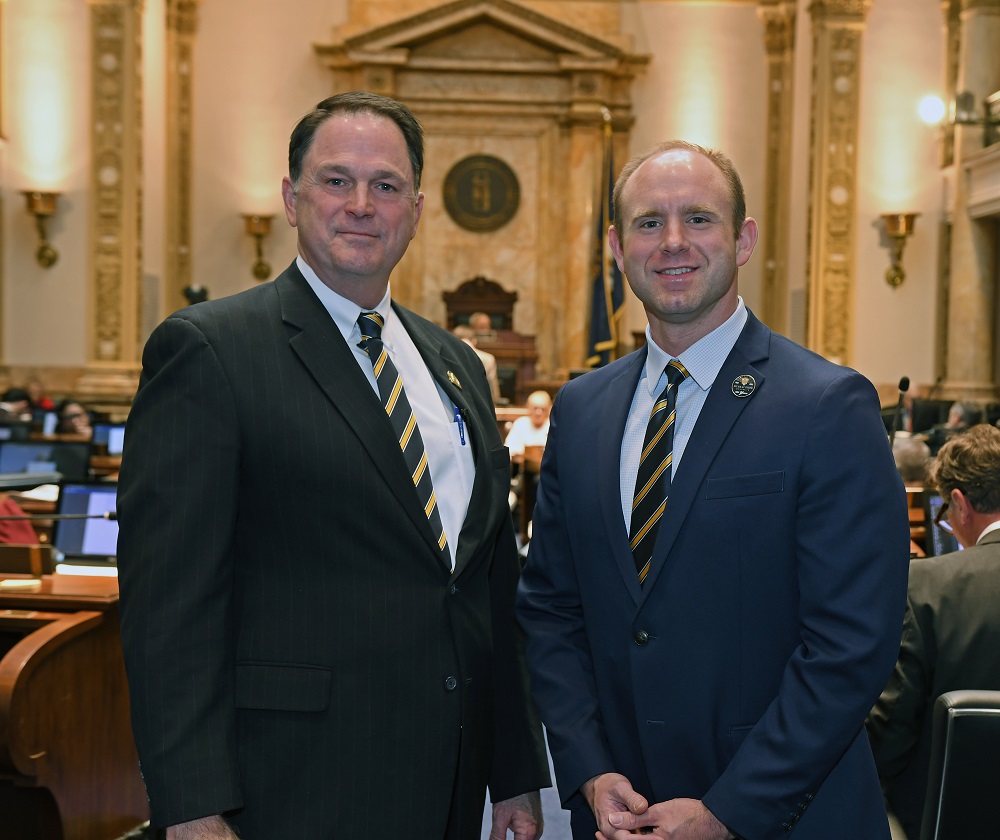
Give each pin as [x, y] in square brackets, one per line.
[298, 655]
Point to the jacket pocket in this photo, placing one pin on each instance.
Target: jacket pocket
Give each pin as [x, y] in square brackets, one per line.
[745, 485]
[282, 687]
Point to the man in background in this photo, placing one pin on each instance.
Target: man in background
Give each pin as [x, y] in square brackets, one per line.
[713, 593]
[316, 558]
[489, 361]
[951, 628]
[533, 428]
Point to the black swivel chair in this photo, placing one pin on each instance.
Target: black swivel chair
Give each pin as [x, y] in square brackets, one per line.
[962, 787]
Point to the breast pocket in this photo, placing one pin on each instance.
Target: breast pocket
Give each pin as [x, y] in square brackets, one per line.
[736, 486]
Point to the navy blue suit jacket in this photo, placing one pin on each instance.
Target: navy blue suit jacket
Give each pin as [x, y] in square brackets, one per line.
[742, 671]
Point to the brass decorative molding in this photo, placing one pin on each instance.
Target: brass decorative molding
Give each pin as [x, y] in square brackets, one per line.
[838, 26]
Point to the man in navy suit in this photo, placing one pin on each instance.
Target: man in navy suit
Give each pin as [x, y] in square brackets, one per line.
[314, 649]
[725, 694]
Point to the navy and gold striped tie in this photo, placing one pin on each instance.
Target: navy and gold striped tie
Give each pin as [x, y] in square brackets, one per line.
[404, 423]
[652, 484]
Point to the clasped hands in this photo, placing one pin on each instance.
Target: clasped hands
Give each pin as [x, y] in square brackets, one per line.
[622, 814]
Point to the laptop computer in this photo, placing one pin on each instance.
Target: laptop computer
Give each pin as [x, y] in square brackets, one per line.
[109, 438]
[91, 541]
[69, 458]
[939, 541]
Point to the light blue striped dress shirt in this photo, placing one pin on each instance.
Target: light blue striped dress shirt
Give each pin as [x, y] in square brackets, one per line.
[703, 360]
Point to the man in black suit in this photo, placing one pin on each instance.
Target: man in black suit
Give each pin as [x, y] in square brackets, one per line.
[951, 629]
[317, 644]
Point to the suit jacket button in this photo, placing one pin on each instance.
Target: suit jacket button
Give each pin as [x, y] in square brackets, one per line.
[450, 684]
[452, 590]
[640, 637]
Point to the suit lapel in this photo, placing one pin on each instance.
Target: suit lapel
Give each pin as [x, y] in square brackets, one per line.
[323, 351]
[455, 379]
[718, 415]
[614, 414]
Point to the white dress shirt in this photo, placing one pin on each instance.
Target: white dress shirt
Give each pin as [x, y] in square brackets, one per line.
[703, 360]
[450, 461]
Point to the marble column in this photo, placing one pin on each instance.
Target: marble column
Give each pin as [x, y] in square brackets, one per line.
[115, 236]
[778, 18]
[971, 338]
[838, 26]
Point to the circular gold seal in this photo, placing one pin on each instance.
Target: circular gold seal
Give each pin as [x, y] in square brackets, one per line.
[481, 193]
[744, 385]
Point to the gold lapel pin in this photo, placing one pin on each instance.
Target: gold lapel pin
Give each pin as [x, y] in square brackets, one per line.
[744, 385]
[454, 380]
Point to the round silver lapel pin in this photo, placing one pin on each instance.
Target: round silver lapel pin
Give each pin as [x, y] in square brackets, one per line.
[744, 385]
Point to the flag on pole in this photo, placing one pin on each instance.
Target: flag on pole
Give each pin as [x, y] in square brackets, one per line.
[608, 295]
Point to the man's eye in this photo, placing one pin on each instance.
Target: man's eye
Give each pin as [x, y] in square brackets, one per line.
[649, 223]
[385, 188]
[335, 182]
[699, 220]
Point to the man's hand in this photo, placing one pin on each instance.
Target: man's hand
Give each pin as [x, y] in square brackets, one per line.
[522, 815]
[207, 828]
[610, 794]
[676, 819]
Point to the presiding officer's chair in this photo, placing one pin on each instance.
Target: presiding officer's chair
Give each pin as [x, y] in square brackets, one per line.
[962, 785]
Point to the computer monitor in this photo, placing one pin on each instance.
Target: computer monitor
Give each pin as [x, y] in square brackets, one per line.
[939, 541]
[109, 438]
[15, 430]
[70, 458]
[92, 540]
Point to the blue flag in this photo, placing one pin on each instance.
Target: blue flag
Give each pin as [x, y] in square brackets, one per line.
[607, 295]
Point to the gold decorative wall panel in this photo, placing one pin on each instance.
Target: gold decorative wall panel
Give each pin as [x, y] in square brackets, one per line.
[116, 193]
[182, 26]
[778, 18]
[837, 30]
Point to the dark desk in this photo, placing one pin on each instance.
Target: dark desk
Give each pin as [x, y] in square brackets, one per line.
[68, 766]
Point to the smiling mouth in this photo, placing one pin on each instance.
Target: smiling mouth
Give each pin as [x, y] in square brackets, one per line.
[674, 272]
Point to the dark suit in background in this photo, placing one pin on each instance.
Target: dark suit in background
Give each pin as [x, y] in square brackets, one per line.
[951, 641]
[951, 631]
[300, 658]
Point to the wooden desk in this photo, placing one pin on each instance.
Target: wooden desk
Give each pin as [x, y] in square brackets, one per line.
[68, 766]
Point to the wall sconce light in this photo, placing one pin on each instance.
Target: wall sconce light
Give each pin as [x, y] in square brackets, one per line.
[964, 110]
[899, 228]
[259, 227]
[42, 205]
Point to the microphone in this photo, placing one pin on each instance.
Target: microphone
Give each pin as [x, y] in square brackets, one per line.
[904, 386]
[28, 517]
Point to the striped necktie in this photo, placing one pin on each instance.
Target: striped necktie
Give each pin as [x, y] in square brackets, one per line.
[652, 484]
[404, 423]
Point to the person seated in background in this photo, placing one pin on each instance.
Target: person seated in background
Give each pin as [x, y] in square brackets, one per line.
[74, 419]
[961, 416]
[911, 455]
[531, 430]
[40, 401]
[468, 335]
[951, 628]
[15, 531]
[480, 323]
[15, 406]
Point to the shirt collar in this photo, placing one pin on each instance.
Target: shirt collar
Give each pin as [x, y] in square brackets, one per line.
[989, 529]
[703, 359]
[343, 311]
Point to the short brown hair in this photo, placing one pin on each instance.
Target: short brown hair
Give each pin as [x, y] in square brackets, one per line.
[356, 102]
[725, 165]
[970, 462]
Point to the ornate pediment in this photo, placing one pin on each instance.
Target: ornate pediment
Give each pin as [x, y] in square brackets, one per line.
[470, 35]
